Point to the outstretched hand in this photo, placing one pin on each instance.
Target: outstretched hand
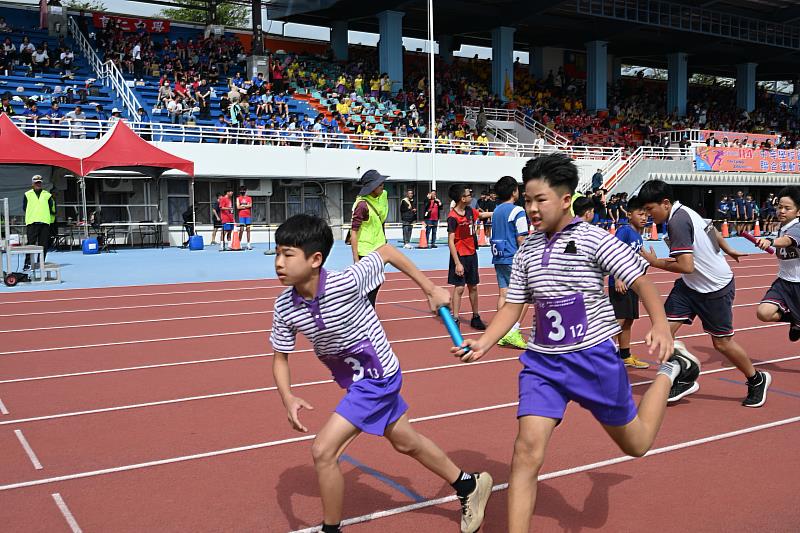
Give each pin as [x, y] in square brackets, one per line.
[293, 407]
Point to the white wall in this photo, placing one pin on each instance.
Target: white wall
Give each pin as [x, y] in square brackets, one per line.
[245, 161]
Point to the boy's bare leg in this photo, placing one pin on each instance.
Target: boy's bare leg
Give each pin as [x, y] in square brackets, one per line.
[473, 299]
[529, 449]
[407, 441]
[330, 443]
[636, 437]
[455, 303]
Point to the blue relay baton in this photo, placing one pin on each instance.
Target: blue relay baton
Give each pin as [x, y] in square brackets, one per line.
[452, 328]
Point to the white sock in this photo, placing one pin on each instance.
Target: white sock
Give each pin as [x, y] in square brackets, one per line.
[671, 369]
[516, 327]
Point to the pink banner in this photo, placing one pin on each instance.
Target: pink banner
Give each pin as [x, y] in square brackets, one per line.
[735, 135]
[130, 24]
[720, 159]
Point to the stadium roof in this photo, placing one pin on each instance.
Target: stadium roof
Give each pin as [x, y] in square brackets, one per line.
[717, 34]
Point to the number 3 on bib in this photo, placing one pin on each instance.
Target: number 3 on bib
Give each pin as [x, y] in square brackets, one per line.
[560, 321]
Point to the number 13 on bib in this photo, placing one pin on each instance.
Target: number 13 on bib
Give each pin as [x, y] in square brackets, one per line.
[560, 321]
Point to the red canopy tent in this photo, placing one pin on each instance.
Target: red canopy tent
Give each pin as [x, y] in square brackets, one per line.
[124, 150]
[16, 148]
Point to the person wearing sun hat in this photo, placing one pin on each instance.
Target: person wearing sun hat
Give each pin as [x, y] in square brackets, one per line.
[370, 210]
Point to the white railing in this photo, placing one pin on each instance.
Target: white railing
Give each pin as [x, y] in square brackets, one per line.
[515, 115]
[107, 72]
[645, 152]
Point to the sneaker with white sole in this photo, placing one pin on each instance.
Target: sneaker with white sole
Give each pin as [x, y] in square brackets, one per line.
[686, 382]
[757, 394]
[633, 362]
[513, 338]
[473, 505]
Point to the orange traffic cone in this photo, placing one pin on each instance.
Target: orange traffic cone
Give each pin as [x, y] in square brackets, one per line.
[725, 231]
[481, 237]
[757, 230]
[423, 238]
[613, 229]
[653, 232]
[235, 244]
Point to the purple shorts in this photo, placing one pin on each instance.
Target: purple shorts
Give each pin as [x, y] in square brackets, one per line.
[373, 404]
[595, 378]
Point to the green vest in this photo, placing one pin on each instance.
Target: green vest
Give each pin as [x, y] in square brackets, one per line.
[371, 235]
[38, 209]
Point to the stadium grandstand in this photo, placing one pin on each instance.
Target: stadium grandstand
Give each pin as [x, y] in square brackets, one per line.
[298, 120]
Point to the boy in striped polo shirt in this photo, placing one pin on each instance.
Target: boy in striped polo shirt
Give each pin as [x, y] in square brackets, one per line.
[560, 269]
[332, 310]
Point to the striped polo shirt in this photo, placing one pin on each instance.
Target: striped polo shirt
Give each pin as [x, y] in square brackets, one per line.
[339, 317]
[789, 257]
[574, 260]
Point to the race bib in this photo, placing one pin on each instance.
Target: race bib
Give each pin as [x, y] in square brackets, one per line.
[499, 248]
[560, 321]
[354, 364]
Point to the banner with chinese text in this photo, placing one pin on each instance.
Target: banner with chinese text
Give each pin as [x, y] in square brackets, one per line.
[720, 159]
[130, 24]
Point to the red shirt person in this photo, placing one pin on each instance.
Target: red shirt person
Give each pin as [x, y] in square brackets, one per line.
[226, 215]
[244, 204]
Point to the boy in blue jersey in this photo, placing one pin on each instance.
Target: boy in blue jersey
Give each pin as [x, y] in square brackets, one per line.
[332, 310]
[625, 302]
[560, 268]
[510, 231]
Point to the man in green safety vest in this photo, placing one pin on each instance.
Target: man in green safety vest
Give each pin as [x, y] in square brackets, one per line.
[40, 208]
[369, 215]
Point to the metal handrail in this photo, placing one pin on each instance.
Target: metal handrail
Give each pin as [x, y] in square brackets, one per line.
[515, 115]
[108, 72]
[645, 152]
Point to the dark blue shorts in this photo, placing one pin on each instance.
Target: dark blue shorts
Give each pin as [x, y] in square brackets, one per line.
[245, 220]
[227, 227]
[595, 378]
[373, 404]
[715, 309]
[785, 295]
[503, 273]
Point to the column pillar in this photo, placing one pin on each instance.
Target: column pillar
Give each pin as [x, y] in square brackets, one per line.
[596, 76]
[446, 48]
[502, 60]
[746, 86]
[390, 47]
[677, 83]
[536, 61]
[339, 40]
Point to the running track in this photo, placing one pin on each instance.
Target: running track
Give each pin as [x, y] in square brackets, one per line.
[153, 409]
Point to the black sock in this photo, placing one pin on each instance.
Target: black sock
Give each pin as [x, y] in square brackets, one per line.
[624, 353]
[327, 528]
[755, 379]
[465, 484]
[475, 315]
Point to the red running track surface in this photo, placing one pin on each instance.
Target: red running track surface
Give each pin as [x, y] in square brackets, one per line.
[154, 409]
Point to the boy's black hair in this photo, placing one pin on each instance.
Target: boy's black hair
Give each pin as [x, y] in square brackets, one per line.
[556, 169]
[505, 187]
[456, 191]
[655, 191]
[793, 192]
[228, 189]
[307, 232]
[635, 203]
[581, 205]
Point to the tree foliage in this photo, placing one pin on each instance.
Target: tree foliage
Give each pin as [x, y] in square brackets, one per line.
[87, 5]
[227, 14]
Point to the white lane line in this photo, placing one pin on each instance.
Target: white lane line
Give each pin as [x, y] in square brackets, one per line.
[223, 315]
[62, 506]
[569, 471]
[207, 335]
[3, 409]
[486, 271]
[314, 383]
[27, 447]
[203, 361]
[230, 394]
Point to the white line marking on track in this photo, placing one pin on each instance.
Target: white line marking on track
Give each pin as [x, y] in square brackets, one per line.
[195, 362]
[228, 333]
[568, 471]
[27, 447]
[62, 506]
[321, 382]
[270, 444]
[487, 270]
[3, 409]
